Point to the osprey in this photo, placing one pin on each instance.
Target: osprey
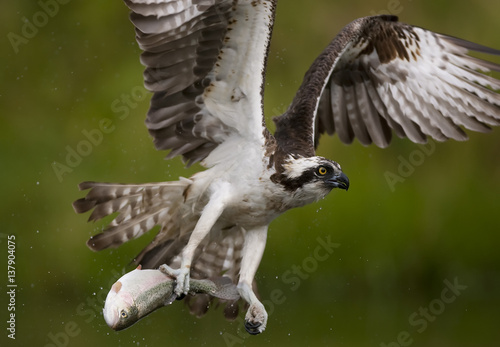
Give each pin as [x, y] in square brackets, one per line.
[205, 64]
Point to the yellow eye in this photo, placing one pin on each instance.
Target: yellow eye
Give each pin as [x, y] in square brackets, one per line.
[123, 314]
[322, 170]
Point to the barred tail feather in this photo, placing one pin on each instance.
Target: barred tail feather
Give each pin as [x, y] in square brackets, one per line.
[139, 206]
[134, 227]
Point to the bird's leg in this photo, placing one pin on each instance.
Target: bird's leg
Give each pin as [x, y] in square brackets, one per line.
[181, 279]
[255, 242]
[209, 216]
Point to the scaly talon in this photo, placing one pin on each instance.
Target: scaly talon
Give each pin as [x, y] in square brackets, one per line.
[181, 277]
[256, 319]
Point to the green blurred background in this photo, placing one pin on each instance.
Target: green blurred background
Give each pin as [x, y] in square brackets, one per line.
[396, 246]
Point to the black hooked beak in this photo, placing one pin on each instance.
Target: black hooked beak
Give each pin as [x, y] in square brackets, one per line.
[339, 181]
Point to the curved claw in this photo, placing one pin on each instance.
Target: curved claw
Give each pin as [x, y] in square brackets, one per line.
[252, 328]
[256, 319]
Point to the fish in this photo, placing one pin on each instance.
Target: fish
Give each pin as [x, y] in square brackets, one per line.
[140, 292]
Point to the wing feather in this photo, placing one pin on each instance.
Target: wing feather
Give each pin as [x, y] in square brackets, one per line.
[205, 63]
[339, 109]
[354, 116]
[382, 110]
[379, 74]
[326, 112]
[377, 128]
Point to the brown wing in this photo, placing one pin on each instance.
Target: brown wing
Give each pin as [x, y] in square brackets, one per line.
[379, 74]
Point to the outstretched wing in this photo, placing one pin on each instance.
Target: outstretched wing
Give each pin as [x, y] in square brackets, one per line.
[205, 62]
[379, 74]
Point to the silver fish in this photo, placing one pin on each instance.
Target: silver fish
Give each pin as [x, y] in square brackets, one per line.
[140, 292]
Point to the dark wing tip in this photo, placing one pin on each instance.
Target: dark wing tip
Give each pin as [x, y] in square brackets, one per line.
[86, 185]
[100, 241]
[83, 205]
[92, 244]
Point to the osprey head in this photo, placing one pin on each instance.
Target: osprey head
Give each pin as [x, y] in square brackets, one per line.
[311, 179]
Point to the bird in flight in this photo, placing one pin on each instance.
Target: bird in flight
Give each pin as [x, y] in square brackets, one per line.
[205, 64]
